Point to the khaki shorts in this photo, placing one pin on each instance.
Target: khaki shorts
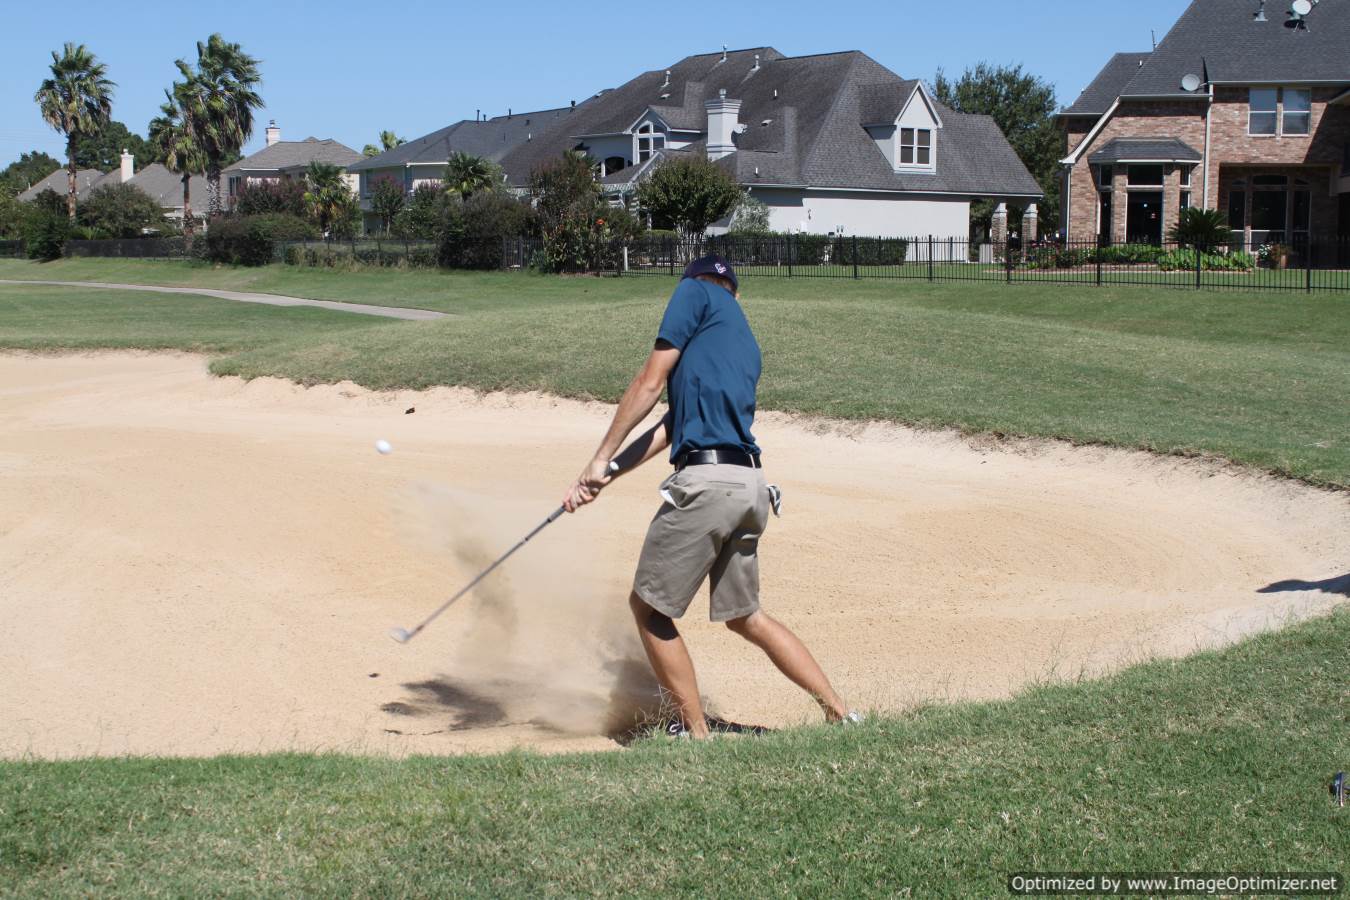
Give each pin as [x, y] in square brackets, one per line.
[710, 525]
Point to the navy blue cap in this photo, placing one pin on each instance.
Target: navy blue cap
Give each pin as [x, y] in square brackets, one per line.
[712, 264]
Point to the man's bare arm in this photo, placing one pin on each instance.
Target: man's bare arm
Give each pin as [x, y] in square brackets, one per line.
[638, 401]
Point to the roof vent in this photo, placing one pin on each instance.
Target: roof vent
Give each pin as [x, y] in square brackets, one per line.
[667, 84]
[665, 96]
[574, 104]
[756, 171]
[766, 122]
[722, 92]
[1260, 15]
[775, 93]
[756, 66]
[724, 53]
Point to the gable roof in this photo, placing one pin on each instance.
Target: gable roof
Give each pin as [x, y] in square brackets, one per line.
[803, 119]
[167, 188]
[85, 181]
[1221, 41]
[1159, 149]
[489, 138]
[1098, 96]
[289, 154]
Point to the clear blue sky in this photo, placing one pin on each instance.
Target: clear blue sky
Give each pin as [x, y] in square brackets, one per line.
[347, 70]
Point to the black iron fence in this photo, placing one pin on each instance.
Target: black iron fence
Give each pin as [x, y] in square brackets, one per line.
[131, 248]
[12, 250]
[360, 251]
[1306, 263]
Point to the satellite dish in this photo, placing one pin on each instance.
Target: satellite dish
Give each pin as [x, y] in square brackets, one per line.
[1302, 7]
[1192, 82]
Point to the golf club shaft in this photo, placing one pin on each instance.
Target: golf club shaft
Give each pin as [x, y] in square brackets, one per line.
[552, 517]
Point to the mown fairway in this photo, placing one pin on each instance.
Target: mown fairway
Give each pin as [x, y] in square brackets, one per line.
[1257, 378]
[1219, 762]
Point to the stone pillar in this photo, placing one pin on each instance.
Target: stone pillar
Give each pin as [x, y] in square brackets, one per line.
[998, 228]
[1029, 225]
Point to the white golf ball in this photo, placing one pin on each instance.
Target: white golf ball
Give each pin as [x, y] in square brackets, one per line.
[384, 446]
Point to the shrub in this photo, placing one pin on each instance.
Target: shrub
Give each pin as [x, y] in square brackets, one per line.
[569, 211]
[422, 214]
[870, 251]
[45, 233]
[1183, 259]
[261, 198]
[752, 216]
[247, 240]
[474, 240]
[1202, 228]
[690, 192]
[1128, 254]
[121, 211]
[1055, 257]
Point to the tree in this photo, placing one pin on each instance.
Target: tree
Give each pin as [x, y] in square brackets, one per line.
[286, 196]
[422, 214]
[752, 216]
[466, 175]
[121, 211]
[1023, 107]
[218, 101]
[177, 147]
[569, 208]
[386, 199]
[691, 193]
[329, 199]
[103, 150]
[77, 102]
[388, 141]
[26, 171]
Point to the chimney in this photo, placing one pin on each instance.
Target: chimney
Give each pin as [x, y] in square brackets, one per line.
[128, 166]
[273, 132]
[723, 117]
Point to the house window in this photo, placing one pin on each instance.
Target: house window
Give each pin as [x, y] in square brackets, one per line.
[1302, 212]
[1268, 210]
[1185, 199]
[1263, 110]
[614, 164]
[916, 147]
[1144, 176]
[1186, 175]
[649, 140]
[1237, 209]
[1104, 174]
[1297, 115]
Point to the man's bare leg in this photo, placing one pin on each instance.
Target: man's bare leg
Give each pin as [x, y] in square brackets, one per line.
[792, 658]
[671, 662]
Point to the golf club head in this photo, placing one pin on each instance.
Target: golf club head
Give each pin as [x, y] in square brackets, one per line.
[402, 635]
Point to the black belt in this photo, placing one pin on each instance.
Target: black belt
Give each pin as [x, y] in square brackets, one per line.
[718, 457]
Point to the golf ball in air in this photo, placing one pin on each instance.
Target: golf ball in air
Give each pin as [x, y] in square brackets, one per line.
[384, 446]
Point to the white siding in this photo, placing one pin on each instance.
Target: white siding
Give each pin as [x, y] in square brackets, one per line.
[867, 214]
[884, 137]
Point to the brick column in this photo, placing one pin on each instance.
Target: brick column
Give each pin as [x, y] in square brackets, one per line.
[1030, 220]
[1120, 206]
[998, 228]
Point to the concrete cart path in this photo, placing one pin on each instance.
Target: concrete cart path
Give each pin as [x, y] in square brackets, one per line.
[365, 309]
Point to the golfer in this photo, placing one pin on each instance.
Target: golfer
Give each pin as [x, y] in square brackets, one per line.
[716, 502]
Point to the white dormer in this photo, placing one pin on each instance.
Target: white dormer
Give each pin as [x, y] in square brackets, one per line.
[910, 143]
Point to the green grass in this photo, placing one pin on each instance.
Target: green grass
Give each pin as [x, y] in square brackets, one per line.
[1260, 379]
[38, 317]
[1217, 762]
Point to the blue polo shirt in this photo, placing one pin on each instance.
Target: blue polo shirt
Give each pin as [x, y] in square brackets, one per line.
[712, 387]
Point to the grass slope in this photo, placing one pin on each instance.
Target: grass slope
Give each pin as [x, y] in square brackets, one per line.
[38, 317]
[1217, 762]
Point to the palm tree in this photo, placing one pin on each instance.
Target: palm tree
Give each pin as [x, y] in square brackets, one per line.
[329, 197]
[388, 141]
[466, 174]
[172, 138]
[76, 101]
[219, 100]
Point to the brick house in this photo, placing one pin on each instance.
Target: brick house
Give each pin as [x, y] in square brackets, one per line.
[1244, 107]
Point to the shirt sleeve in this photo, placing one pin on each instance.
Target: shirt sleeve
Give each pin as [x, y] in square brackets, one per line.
[684, 314]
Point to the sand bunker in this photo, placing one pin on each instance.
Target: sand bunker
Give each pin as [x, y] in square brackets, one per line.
[192, 565]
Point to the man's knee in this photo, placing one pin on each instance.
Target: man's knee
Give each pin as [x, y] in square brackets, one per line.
[749, 626]
[655, 623]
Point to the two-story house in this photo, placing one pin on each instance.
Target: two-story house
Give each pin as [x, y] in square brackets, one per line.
[1243, 107]
[832, 143]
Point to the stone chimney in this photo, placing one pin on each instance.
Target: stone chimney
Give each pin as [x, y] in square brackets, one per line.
[723, 117]
[128, 166]
[273, 132]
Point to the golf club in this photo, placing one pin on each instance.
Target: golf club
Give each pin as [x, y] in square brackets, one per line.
[403, 635]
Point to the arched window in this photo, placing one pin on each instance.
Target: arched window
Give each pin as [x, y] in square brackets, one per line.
[615, 164]
[648, 141]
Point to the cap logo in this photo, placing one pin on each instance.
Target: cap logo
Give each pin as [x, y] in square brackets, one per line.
[721, 269]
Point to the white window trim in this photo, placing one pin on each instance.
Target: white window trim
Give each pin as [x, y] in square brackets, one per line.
[1279, 111]
[647, 131]
[926, 168]
[1308, 113]
[1251, 111]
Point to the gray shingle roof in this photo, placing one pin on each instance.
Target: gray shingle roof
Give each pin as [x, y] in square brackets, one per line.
[816, 107]
[1161, 149]
[85, 181]
[1098, 96]
[167, 188]
[1220, 41]
[491, 139]
[289, 154]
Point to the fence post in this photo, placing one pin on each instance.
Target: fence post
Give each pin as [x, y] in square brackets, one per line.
[670, 253]
[1007, 260]
[1099, 259]
[855, 257]
[789, 254]
[1198, 266]
[1308, 263]
[930, 257]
